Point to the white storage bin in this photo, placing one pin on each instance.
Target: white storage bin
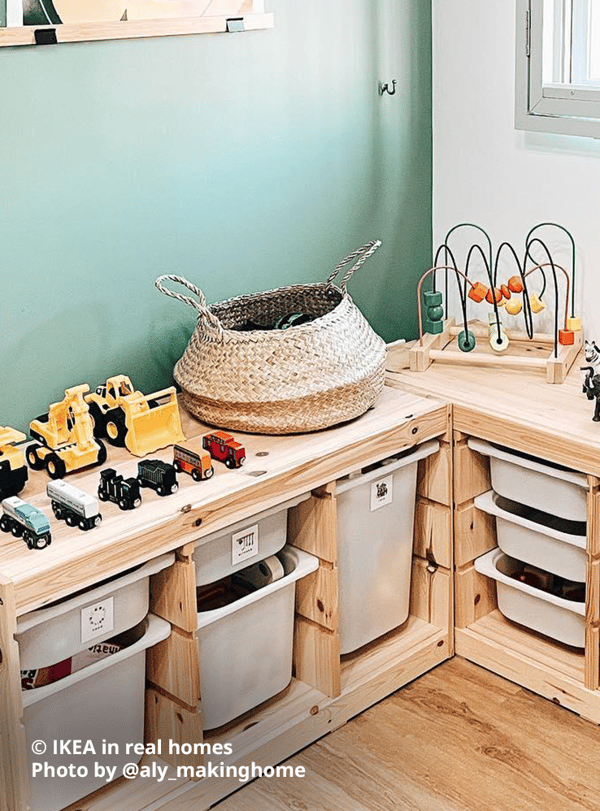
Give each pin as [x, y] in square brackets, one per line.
[550, 488]
[540, 540]
[246, 646]
[375, 514]
[240, 545]
[563, 620]
[51, 634]
[104, 701]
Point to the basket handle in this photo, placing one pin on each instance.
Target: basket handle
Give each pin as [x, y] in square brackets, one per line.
[362, 254]
[199, 305]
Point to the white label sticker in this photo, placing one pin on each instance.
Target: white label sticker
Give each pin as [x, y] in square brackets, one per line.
[97, 619]
[244, 544]
[382, 492]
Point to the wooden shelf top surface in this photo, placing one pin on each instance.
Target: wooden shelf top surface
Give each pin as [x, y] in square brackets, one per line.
[277, 468]
[514, 408]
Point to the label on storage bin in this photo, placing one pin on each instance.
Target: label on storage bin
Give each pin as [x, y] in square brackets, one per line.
[244, 544]
[382, 492]
[97, 619]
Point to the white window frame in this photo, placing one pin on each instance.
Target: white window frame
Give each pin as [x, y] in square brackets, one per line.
[544, 106]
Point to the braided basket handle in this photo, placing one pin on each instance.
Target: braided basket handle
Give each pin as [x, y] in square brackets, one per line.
[199, 305]
[362, 254]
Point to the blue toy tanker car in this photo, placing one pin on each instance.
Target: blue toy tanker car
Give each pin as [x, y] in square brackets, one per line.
[26, 521]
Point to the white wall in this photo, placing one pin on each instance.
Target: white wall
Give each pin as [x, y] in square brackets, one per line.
[488, 173]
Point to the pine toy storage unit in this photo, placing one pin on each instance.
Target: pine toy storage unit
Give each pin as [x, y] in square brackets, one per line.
[297, 474]
[526, 460]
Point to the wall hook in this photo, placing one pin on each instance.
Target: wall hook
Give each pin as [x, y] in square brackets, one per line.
[385, 88]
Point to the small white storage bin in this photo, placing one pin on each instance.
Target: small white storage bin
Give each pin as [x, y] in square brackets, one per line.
[536, 538]
[563, 620]
[375, 513]
[51, 634]
[246, 646]
[240, 545]
[537, 484]
[104, 701]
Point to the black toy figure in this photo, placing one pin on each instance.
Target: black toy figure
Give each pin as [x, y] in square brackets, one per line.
[591, 388]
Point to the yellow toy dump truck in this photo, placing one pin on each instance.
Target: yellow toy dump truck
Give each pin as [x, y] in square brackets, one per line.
[126, 417]
[65, 436]
[13, 470]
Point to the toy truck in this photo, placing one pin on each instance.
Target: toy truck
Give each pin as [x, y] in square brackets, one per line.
[73, 505]
[13, 470]
[197, 463]
[224, 448]
[65, 436]
[124, 492]
[128, 418]
[159, 476]
[26, 521]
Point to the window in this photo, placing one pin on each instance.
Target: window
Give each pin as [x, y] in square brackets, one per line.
[558, 66]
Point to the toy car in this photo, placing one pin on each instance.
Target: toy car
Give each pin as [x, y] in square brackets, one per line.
[224, 448]
[124, 492]
[197, 463]
[23, 519]
[160, 476]
[73, 505]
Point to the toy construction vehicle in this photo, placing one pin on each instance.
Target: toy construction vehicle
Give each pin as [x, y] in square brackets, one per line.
[126, 417]
[66, 437]
[13, 470]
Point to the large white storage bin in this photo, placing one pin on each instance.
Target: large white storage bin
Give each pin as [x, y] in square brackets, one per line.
[563, 620]
[375, 513]
[550, 488]
[240, 545]
[51, 634]
[104, 701]
[539, 539]
[246, 646]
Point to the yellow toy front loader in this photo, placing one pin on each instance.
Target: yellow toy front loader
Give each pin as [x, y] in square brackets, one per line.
[65, 436]
[126, 417]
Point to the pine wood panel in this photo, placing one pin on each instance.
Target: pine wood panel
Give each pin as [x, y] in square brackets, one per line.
[434, 477]
[474, 533]
[433, 528]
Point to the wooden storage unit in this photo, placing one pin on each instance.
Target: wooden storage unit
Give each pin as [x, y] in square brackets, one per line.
[518, 410]
[327, 689]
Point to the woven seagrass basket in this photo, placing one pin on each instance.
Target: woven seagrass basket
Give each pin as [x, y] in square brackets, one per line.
[275, 381]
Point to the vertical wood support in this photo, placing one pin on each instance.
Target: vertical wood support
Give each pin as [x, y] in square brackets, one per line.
[173, 707]
[592, 610]
[312, 526]
[14, 770]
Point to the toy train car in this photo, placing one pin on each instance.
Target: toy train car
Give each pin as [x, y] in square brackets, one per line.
[223, 447]
[124, 492]
[26, 521]
[160, 476]
[73, 505]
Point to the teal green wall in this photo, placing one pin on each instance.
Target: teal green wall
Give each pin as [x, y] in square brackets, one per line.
[242, 161]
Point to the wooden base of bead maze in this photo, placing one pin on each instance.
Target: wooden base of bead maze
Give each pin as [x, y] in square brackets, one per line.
[523, 352]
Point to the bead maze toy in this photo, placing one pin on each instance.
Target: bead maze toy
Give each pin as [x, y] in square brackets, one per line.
[496, 343]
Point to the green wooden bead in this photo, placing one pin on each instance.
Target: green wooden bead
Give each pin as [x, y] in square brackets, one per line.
[432, 298]
[435, 313]
[466, 343]
[433, 327]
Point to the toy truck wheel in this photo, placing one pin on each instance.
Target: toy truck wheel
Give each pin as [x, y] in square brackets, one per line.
[196, 475]
[37, 543]
[58, 513]
[33, 460]
[97, 520]
[209, 473]
[123, 504]
[160, 490]
[98, 420]
[70, 520]
[55, 467]
[177, 466]
[4, 525]
[174, 488]
[116, 429]
[16, 530]
[137, 502]
[242, 460]
[229, 463]
[101, 452]
[102, 495]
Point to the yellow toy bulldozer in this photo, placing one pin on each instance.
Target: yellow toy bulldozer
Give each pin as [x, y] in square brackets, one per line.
[65, 436]
[126, 417]
[13, 470]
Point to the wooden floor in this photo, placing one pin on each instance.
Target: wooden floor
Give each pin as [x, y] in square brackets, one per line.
[458, 739]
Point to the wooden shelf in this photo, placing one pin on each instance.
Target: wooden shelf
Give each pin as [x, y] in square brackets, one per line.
[133, 29]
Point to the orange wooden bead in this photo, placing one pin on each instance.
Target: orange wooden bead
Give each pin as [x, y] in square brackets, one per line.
[478, 292]
[566, 337]
[515, 285]
[497, 295]
[505, 291]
